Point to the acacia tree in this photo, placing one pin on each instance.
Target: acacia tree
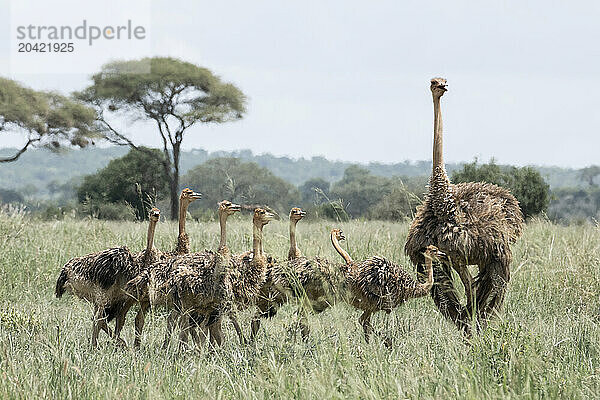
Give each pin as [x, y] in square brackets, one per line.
[172, 93]
[45, 119]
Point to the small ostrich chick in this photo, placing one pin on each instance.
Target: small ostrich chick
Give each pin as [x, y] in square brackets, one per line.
[377, 284]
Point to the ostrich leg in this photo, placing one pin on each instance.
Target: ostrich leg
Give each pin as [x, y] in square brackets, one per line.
[491, 288]
[445, 297]
[103, 326]
[171, 321]
[365, 321]
[139, 322]
[120, 322]
[99, 322]
[237, 327]
[185, 327]
[216, 333]
[197, 323]
[255, 326]
[467, 281]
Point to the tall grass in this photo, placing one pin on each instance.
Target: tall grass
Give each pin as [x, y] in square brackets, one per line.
[545, 345]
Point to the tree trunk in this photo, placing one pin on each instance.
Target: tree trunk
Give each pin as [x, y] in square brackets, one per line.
[174, 183]
[173, 186]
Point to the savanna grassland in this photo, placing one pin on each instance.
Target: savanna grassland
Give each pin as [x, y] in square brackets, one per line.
[545, 345]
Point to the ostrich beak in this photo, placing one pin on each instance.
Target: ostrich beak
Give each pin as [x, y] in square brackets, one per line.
[196, 195]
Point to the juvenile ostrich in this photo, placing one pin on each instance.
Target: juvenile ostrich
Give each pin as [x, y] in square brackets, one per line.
[187, 197]
[141, 287]
[296, 214]
[248, 273]
[473, 224]
[100, 278]
[311, 280]
[217, 265]
[144, 260]
[378, 284]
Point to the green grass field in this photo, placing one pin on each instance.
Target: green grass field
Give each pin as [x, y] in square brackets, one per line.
[546, 345]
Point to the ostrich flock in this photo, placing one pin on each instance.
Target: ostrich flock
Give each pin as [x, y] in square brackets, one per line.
[456, 226]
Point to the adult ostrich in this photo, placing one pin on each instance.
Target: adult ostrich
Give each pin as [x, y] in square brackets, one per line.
[473, 224]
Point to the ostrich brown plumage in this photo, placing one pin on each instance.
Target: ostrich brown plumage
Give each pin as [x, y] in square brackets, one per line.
[473, 224]
[309, 280]
[377, 284]
[219, 265]
[144, 259]
[198, 291]
[143, 287]
[249, 272]
[185, 199]
[100, 278]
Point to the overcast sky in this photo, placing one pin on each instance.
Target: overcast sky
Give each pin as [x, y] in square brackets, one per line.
[349, 80]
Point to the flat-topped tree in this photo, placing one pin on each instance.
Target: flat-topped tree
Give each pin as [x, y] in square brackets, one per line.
[174, 94]
[44, 119]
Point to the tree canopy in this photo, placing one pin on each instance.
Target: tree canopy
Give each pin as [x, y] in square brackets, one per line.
[172, 93]
[525, 183]
[589, 174]
[241, 182]
[45, 119]
[359, 190]
[136, 179]
[314, 191]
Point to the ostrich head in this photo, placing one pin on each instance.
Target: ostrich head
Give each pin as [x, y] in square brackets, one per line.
[296, 214]
[433, 253]
[438, 87]
[228, 208]
[188, 196]
[262, 217]
[154, 214]
[338, 234]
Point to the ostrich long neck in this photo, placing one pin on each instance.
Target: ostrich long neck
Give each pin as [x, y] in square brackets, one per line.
[338, 248]
[223, 256]
[223, 249]
[440, 191]
[438, 140]
[183, 242]
[294, 250]
[150, 242]
[257, 243]
[423, 289]
[257, 240]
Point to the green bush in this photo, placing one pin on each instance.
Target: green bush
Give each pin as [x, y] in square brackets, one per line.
[399, 205]
[240, 182]
[137, 179]
[526, 183]
[314, 191]
[333, 210]
[109, 211]
[359, 190]
[8, 196]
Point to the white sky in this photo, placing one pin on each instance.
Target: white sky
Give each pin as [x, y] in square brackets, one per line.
[349, 79]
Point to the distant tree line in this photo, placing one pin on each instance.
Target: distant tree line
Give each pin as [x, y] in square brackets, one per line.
[128, 185]
[131, 184]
